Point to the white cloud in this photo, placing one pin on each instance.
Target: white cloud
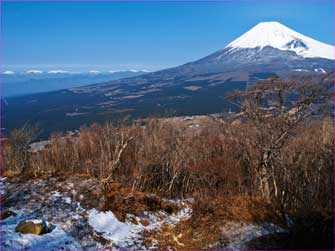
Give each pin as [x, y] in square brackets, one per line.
[8, 72]
[142, 70]
[34, 71]
[94, 72]
[131, 70]
[57, 71]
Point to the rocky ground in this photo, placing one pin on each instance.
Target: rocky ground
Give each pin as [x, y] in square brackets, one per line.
[75, 209]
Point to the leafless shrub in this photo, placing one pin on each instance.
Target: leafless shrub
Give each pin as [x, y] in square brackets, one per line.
[277, 112]
[16, 157]
[275, 149]
[309, 168]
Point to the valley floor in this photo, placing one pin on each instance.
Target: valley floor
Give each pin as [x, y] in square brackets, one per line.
[81, 220]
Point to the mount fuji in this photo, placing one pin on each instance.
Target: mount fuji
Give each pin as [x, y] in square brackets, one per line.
[278, 36]
[268, 46]
[198, 87]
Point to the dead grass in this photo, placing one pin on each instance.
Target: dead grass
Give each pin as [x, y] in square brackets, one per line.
[240, 208]
[122, 201]
[172, 160]
[10, 173]
[204, 228]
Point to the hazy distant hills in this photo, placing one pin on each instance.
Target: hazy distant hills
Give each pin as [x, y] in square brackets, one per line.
[198, 87]
[35, 81]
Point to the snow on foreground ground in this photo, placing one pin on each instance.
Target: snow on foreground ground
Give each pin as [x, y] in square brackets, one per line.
[241, 233]
[11, 240]
[79, 224]
[127, 234]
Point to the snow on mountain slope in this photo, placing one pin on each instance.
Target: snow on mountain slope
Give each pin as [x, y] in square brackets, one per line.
[281, 37]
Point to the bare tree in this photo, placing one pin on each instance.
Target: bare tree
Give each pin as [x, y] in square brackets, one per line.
[113, 142]
[275, 108]
[16, 155]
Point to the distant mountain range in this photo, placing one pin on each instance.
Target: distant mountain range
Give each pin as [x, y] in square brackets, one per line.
[35, 81]
[198, 87]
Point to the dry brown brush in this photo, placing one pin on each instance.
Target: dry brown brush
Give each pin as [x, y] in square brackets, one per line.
[274, 149]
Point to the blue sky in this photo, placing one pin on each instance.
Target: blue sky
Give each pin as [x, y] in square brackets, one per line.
[114, 35]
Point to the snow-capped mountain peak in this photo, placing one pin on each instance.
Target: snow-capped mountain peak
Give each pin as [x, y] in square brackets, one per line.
[279, 36]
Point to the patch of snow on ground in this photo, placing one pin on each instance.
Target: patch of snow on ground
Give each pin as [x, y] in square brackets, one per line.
[156, 220]
[238, 234]
[57, 239]
[127, 234]
[320, 70]
[67, 200]
[113, 229]
[56, 195]
[37, 221]
[301, 70]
